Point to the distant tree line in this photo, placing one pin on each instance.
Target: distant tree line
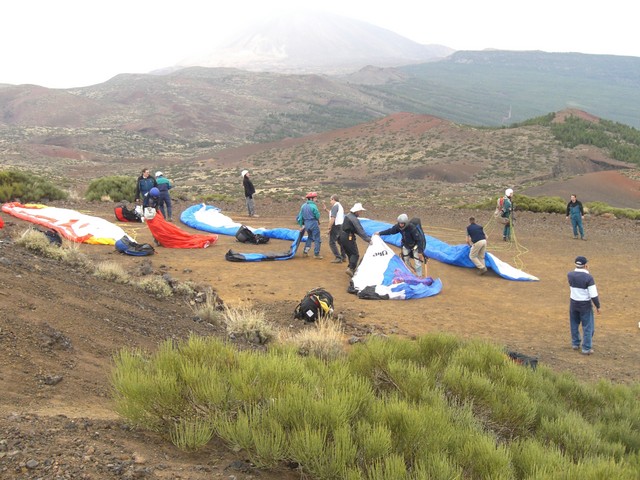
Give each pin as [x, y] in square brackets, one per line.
[622, 142]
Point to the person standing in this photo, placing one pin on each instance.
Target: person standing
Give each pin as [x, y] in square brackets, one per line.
[583, 293]
[336, 218]
[477, 240]
[350, 228]
[576, 213]
[506, 214]
[309, 219]
[144, 184]
[413, 242]
[164, 185]
[249, 192]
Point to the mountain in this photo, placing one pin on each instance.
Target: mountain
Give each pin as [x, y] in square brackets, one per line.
[302, 42]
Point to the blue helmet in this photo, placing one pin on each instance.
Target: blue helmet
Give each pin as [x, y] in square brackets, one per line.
[154, 192]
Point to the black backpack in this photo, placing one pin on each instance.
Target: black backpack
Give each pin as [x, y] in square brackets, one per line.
[316, 303]
[416, 222]
[245, 235]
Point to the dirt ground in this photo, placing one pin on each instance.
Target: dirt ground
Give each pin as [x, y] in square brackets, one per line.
[59, 327]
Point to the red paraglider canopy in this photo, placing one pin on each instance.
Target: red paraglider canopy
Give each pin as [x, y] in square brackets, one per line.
[170, 236]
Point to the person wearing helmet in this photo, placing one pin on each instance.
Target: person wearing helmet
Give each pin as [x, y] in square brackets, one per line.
[309, 219]
[164, 203]
[249, 192]
[144, 183]
[351, 227]
[153, 199]
[506, 214]
[413, 242]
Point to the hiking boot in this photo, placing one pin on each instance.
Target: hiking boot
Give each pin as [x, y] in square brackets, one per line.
[575, 237]
[587, 352]
[504, 239]
[318, 257]
[305, 254]
[583, 238]
[482, 271]
[349, 272]
[336, 260]
[576, 347]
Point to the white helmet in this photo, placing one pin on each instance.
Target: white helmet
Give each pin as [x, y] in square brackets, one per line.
[403, 218]
[508, 192]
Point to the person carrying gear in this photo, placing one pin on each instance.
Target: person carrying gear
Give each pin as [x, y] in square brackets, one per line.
[506, 214]
[413, 242]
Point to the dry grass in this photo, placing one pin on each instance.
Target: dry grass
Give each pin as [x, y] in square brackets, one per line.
[324, 339]
[112, 272]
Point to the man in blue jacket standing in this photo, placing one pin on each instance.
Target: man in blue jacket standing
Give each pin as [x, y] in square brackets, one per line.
[583, 293]
[309, 219]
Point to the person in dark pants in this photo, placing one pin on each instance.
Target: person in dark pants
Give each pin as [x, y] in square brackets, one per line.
[309, 219]
[144, 184]
[413, 242]
[350, 228]
[336, 217]
[576, 213]
[249, 192]
[583, 293]
[164, 185]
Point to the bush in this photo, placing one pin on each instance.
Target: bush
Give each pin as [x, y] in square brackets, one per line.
[116, 188]
[156, 286]
[112, 272]
[27, 187]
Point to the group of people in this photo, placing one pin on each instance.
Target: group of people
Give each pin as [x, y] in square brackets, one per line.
[154, 192]
[344, 227]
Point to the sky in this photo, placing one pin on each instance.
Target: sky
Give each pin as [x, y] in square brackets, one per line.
[74, 43]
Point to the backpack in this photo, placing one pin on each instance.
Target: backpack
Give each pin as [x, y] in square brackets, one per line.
[125, 215]
[245, 235]
[499, 207]
[524, 360]
[416, 222]
[129, 247]
[316, 303]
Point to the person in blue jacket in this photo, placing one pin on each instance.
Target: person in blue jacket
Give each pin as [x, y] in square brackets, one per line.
[144, 184]
[164, 185]
[309, 219]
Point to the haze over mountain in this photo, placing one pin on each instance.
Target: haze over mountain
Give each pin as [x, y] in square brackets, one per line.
[319, 43]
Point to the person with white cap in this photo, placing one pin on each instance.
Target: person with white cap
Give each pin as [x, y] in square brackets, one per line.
[309, 219]
[583, 293]
[351, 227]
[249, 192]
[506, 213]
[413, 242]
[164, 200]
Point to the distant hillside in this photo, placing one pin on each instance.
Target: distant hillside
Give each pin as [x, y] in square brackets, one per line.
[502, 87]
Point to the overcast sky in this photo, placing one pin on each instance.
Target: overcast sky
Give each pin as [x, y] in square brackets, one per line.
[72, 43]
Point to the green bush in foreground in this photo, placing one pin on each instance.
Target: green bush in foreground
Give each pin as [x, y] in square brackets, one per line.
[392, 408]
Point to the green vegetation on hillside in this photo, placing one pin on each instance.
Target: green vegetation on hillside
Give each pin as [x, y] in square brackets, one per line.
[391, 408]
[620, 141]
[27, 187]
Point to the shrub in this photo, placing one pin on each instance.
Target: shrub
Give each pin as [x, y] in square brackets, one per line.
[74, 257]
[37, 242]
[116, 188]
[323, 339]
[156, 286]
[112, 272]
[250, 323]
[27, 187]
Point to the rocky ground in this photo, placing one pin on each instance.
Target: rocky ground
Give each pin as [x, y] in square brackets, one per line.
[59, 327]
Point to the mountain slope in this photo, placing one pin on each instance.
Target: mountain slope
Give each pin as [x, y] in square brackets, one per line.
[302, 42]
